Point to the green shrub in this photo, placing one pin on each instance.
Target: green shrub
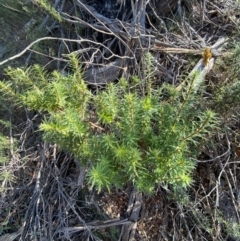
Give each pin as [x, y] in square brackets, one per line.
[123, 135]
[227, 94]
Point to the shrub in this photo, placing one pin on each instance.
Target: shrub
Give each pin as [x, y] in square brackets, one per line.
[121, 133]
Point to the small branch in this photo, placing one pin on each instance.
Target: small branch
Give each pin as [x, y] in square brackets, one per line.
[134, 207]
[96, 225]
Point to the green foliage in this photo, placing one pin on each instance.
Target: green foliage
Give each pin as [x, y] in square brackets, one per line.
[47, 6]
[5, 126]
[5, 174]
[4, 149]
[121, 133]
[228, 97]
[233, 229]
[228, 94]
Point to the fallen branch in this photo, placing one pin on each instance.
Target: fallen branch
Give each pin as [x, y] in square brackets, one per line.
[95, 225]
[134, 207]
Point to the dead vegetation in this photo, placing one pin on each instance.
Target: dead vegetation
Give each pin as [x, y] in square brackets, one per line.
[47, 197]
